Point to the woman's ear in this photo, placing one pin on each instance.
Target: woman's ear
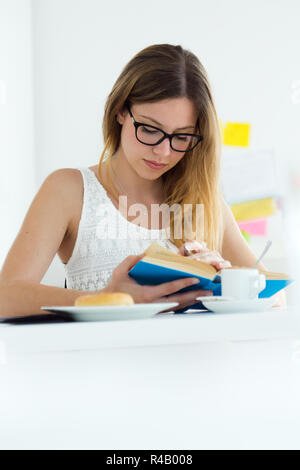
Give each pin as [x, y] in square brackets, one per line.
[120, 117]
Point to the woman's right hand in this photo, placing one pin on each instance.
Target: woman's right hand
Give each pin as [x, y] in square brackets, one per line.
[165, 292]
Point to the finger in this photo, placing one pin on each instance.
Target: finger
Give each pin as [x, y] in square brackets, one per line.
[216, 261]
[185, 250]
[167, 288]
[129, 262]
[181, 250]
[211, 257]
[218, 265]
[223, 264]
[192, 246]
[207, 254]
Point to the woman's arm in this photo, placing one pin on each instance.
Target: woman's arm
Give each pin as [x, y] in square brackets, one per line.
[42, 232]
[22, 298]
[234, 246]
[238, 252]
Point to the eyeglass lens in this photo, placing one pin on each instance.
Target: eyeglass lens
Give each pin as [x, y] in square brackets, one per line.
[181, 142]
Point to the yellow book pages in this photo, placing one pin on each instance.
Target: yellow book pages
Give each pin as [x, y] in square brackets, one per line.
[156, 254]
[280, 276]
[155, 250]
[253, 209]
[269, 274]
[196, 268]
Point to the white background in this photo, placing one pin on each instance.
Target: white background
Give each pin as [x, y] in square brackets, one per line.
[60, 58]
[18, 177]
[235, 383]
[172, 382]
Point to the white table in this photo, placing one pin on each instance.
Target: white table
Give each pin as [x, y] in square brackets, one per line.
[173, 382]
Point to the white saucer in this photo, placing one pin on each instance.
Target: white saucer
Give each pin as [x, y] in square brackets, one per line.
[111, 313]
[239, 306]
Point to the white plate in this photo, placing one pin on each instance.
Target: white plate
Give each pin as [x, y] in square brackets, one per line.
[111, 313]
[239, 306]
[214, 298]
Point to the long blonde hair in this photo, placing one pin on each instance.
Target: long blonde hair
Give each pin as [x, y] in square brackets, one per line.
[159, 72]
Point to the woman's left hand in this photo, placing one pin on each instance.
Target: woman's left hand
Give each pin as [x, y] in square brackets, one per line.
[196, 250]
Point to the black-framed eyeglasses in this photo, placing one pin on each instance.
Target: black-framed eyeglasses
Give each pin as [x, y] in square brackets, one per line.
[151, 135]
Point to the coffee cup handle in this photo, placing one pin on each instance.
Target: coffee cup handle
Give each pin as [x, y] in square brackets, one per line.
[258, 285]
[262, 282]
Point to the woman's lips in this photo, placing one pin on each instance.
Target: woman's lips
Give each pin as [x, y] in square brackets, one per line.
[154, 165]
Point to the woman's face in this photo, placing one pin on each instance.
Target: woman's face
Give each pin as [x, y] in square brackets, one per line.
[171, 115]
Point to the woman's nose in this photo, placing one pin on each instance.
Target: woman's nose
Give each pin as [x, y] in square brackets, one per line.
[164, 148]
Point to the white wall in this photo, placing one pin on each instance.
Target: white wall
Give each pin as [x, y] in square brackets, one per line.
[250, 50]
[17, 175]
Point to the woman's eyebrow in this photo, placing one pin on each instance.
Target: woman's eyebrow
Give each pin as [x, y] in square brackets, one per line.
[159, 124]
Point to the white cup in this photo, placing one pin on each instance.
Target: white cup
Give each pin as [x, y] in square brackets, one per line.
[242, 284]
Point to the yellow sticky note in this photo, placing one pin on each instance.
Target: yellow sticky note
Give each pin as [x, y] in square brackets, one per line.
[253, 209]
[236, 134]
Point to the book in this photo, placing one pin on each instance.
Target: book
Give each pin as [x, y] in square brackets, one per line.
[161, 265]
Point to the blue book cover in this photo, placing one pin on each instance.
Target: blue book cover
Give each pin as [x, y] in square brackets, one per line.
[152, 274]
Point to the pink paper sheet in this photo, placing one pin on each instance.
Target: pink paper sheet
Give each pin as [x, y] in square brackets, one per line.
[256, 227]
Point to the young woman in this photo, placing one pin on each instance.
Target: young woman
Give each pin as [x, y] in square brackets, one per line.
[162, 146]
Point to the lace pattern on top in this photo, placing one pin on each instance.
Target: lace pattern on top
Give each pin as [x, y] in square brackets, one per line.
[105, 238]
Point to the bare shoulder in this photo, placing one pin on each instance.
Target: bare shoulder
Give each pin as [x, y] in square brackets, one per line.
[67, 179]
[65, 176]
[67, 184]
[46, 226]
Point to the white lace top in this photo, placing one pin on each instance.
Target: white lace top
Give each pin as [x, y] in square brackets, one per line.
[105, 238]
